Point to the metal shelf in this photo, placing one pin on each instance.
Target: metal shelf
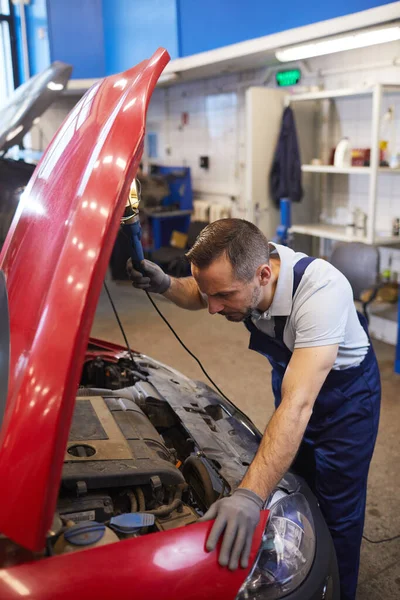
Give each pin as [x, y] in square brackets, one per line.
[330, 232]
[342, 93]
[328, 94]
[373, 171]
[331, 169]
[338, 233]
[346, 170]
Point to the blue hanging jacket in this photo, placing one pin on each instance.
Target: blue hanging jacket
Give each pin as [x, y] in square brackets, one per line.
[285, 176]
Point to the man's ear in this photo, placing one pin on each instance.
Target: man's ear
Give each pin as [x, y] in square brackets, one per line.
[264, 274]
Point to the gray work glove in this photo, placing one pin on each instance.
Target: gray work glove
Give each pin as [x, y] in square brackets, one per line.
[237, 516]
[153, 280]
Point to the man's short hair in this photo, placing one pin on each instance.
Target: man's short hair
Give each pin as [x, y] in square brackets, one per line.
[244, 244]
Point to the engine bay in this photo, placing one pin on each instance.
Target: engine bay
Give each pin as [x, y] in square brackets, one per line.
[117, 463]
[150, 456]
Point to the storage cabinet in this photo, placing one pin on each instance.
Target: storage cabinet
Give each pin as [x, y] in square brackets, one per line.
[322, 175]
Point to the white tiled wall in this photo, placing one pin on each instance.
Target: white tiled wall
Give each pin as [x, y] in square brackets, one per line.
[213, 129]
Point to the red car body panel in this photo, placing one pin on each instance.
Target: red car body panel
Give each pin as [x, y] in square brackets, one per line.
[170, 565]
[54, 259]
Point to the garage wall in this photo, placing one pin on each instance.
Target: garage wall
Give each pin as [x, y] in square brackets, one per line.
[76, 35]
[212, 24]
[134, 29]
[103, 37]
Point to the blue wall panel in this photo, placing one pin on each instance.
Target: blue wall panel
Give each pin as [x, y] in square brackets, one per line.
[38, 43]
[76, 35]
[134, 29]
[102, 37]
[208, 24]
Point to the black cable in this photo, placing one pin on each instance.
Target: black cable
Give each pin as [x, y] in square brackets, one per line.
[49, 547]
[395, 537]
[185, 347]
[120, 326]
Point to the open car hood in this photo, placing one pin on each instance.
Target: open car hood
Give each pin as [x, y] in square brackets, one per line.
[54, 260]
[29, 101]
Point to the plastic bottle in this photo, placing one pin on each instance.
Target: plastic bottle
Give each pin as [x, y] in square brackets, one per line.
[342, 157]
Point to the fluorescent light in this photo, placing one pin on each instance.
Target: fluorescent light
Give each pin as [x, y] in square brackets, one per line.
[339, 44]
[56, 87]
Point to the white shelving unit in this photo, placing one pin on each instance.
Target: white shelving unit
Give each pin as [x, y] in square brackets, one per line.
[338, 233]
[346, 170]
[330, 169]
[335, 232]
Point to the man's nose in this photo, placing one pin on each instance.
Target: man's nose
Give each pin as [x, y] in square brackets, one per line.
[214, 306]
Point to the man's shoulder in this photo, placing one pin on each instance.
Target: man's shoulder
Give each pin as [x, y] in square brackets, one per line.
[323, 278]
[319, 268]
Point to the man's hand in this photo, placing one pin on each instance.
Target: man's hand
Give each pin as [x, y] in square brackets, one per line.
[237, 517]
[153, 280]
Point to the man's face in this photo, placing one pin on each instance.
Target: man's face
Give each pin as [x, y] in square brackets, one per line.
[226, 295]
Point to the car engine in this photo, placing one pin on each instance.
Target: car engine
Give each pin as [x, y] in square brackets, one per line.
[147, 457]
[116, 462]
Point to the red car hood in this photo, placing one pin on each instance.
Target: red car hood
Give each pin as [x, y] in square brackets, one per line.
[54, 260]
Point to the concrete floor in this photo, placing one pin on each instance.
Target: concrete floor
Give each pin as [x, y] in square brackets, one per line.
[244, 377]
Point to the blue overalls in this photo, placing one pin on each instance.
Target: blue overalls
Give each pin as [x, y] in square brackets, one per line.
[338, 443]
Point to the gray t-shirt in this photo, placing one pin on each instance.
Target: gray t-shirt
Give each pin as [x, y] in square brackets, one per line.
[321, 313]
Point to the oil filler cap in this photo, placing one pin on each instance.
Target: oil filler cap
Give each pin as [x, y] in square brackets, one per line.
[131, 522]
[85, 533]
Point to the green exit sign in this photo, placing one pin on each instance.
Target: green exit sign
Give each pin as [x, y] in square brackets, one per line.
[290, 77]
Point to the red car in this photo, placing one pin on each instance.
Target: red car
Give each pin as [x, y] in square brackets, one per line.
[109, 458]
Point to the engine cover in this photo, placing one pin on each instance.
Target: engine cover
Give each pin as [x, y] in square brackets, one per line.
[112, 443]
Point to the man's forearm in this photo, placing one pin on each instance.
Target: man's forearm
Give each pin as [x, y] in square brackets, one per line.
[304, 377]
[278, 447]
[185, 293]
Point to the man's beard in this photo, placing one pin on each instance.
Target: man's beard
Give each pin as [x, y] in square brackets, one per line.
[240, 316]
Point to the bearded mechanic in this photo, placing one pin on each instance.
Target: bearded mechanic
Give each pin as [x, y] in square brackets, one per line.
[301, 316]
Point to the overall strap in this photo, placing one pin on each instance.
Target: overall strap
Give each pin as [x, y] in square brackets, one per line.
[298, 272]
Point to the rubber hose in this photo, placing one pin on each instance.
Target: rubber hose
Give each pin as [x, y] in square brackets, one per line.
[141, 499]
[132, 498]
[195, 463]
[167, 509]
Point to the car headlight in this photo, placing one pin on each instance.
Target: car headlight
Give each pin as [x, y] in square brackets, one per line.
[286, 553]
